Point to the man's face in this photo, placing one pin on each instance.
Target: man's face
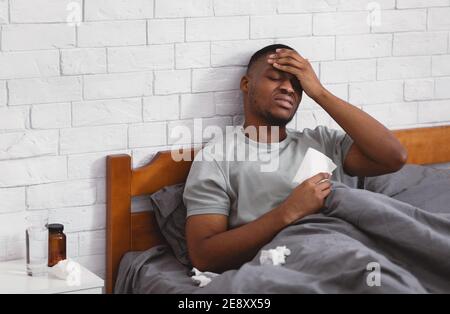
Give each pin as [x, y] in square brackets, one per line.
[272, 95]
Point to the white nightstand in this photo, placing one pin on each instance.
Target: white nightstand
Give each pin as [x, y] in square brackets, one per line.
[14, 279]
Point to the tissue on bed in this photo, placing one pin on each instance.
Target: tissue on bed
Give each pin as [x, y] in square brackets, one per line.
[202, 278]
[313, 163]
[275, 256]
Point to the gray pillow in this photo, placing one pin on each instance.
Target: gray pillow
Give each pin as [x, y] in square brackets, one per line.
[408, 177]
[170, 214]
[422, 186]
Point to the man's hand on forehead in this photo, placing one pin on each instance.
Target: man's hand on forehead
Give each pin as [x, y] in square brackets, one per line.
[290, 61]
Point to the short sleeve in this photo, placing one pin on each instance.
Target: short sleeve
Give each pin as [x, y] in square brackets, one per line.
[337, 143]
[205, 191]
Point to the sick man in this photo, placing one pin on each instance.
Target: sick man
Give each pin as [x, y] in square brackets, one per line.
[233, 207]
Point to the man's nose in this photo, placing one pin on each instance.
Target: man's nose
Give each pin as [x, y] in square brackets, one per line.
[286, 86]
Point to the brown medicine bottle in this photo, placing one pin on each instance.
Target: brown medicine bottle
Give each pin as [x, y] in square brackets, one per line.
[56, 244]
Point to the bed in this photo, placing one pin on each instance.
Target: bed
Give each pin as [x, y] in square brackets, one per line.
[127, 231]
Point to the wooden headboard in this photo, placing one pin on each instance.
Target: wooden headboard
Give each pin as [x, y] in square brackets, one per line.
[127, 231]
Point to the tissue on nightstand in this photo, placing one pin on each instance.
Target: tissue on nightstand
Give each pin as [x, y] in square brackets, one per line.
[274, 257]
[313, 163]
[65, 268]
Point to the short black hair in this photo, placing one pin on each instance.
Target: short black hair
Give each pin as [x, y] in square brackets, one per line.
[264, 51]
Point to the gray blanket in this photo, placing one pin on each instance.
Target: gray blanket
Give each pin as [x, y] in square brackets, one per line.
[393, 236]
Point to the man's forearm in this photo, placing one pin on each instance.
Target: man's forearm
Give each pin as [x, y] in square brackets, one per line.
[373, 139]
[232, 248]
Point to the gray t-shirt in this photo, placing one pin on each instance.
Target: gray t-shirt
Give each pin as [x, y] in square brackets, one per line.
[246, 188]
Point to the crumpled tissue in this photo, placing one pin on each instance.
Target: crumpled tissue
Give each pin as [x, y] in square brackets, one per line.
[63, 269]
[202, 278]
[275, 256]
[313, 163]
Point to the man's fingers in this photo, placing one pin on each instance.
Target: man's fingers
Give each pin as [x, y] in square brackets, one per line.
[325, 192]
[287, 61]
[324, 184]
[278, 56]
[286, 68]
[319, 177]
[288, 52]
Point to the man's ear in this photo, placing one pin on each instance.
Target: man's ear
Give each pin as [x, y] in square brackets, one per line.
[244, 84]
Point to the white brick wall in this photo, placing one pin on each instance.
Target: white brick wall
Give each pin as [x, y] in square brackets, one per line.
[376, 92]
[361, 5]
[313, 48]
[161, 108]
[301, 6]
[51, 116]
[117, 33]
[193, 55]
[348, 71]
[97, 10]
[122, 79]
[44, 90]
[442, 88]
[40, 11]
[250, 7]
[402, 21]
[81, 218]
[12, 200]
[197, 104]
[235, 52]
[419, 89]
[61, 194]
[129, 59]
[4, 16]
[433, 111]
[291, 25]
[103, 86]
[11, 119]
[404, 4]
[218, 28]
[173, 81]
[363, 46]
[91, 165]
[228, 103]
[32, 171]
[29, 64]
[28, 144]
[37, 36]
[100, 112]
[438, 19]
[340, 23]
[93, 139]
[403, 67]
[92, 243]
[142, 134]
[397, 114]
[187, 8]
[440, 65]
[3, 94]
[173, 31]
[83, 61]
[217, 79]
[407, 44]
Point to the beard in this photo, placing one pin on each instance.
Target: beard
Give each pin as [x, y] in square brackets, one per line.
[277, 121]
[267, 115]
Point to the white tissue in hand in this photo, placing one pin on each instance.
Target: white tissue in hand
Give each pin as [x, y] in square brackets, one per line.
[202, 278]
[274, 256]
[63, 269]
[313, 163]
